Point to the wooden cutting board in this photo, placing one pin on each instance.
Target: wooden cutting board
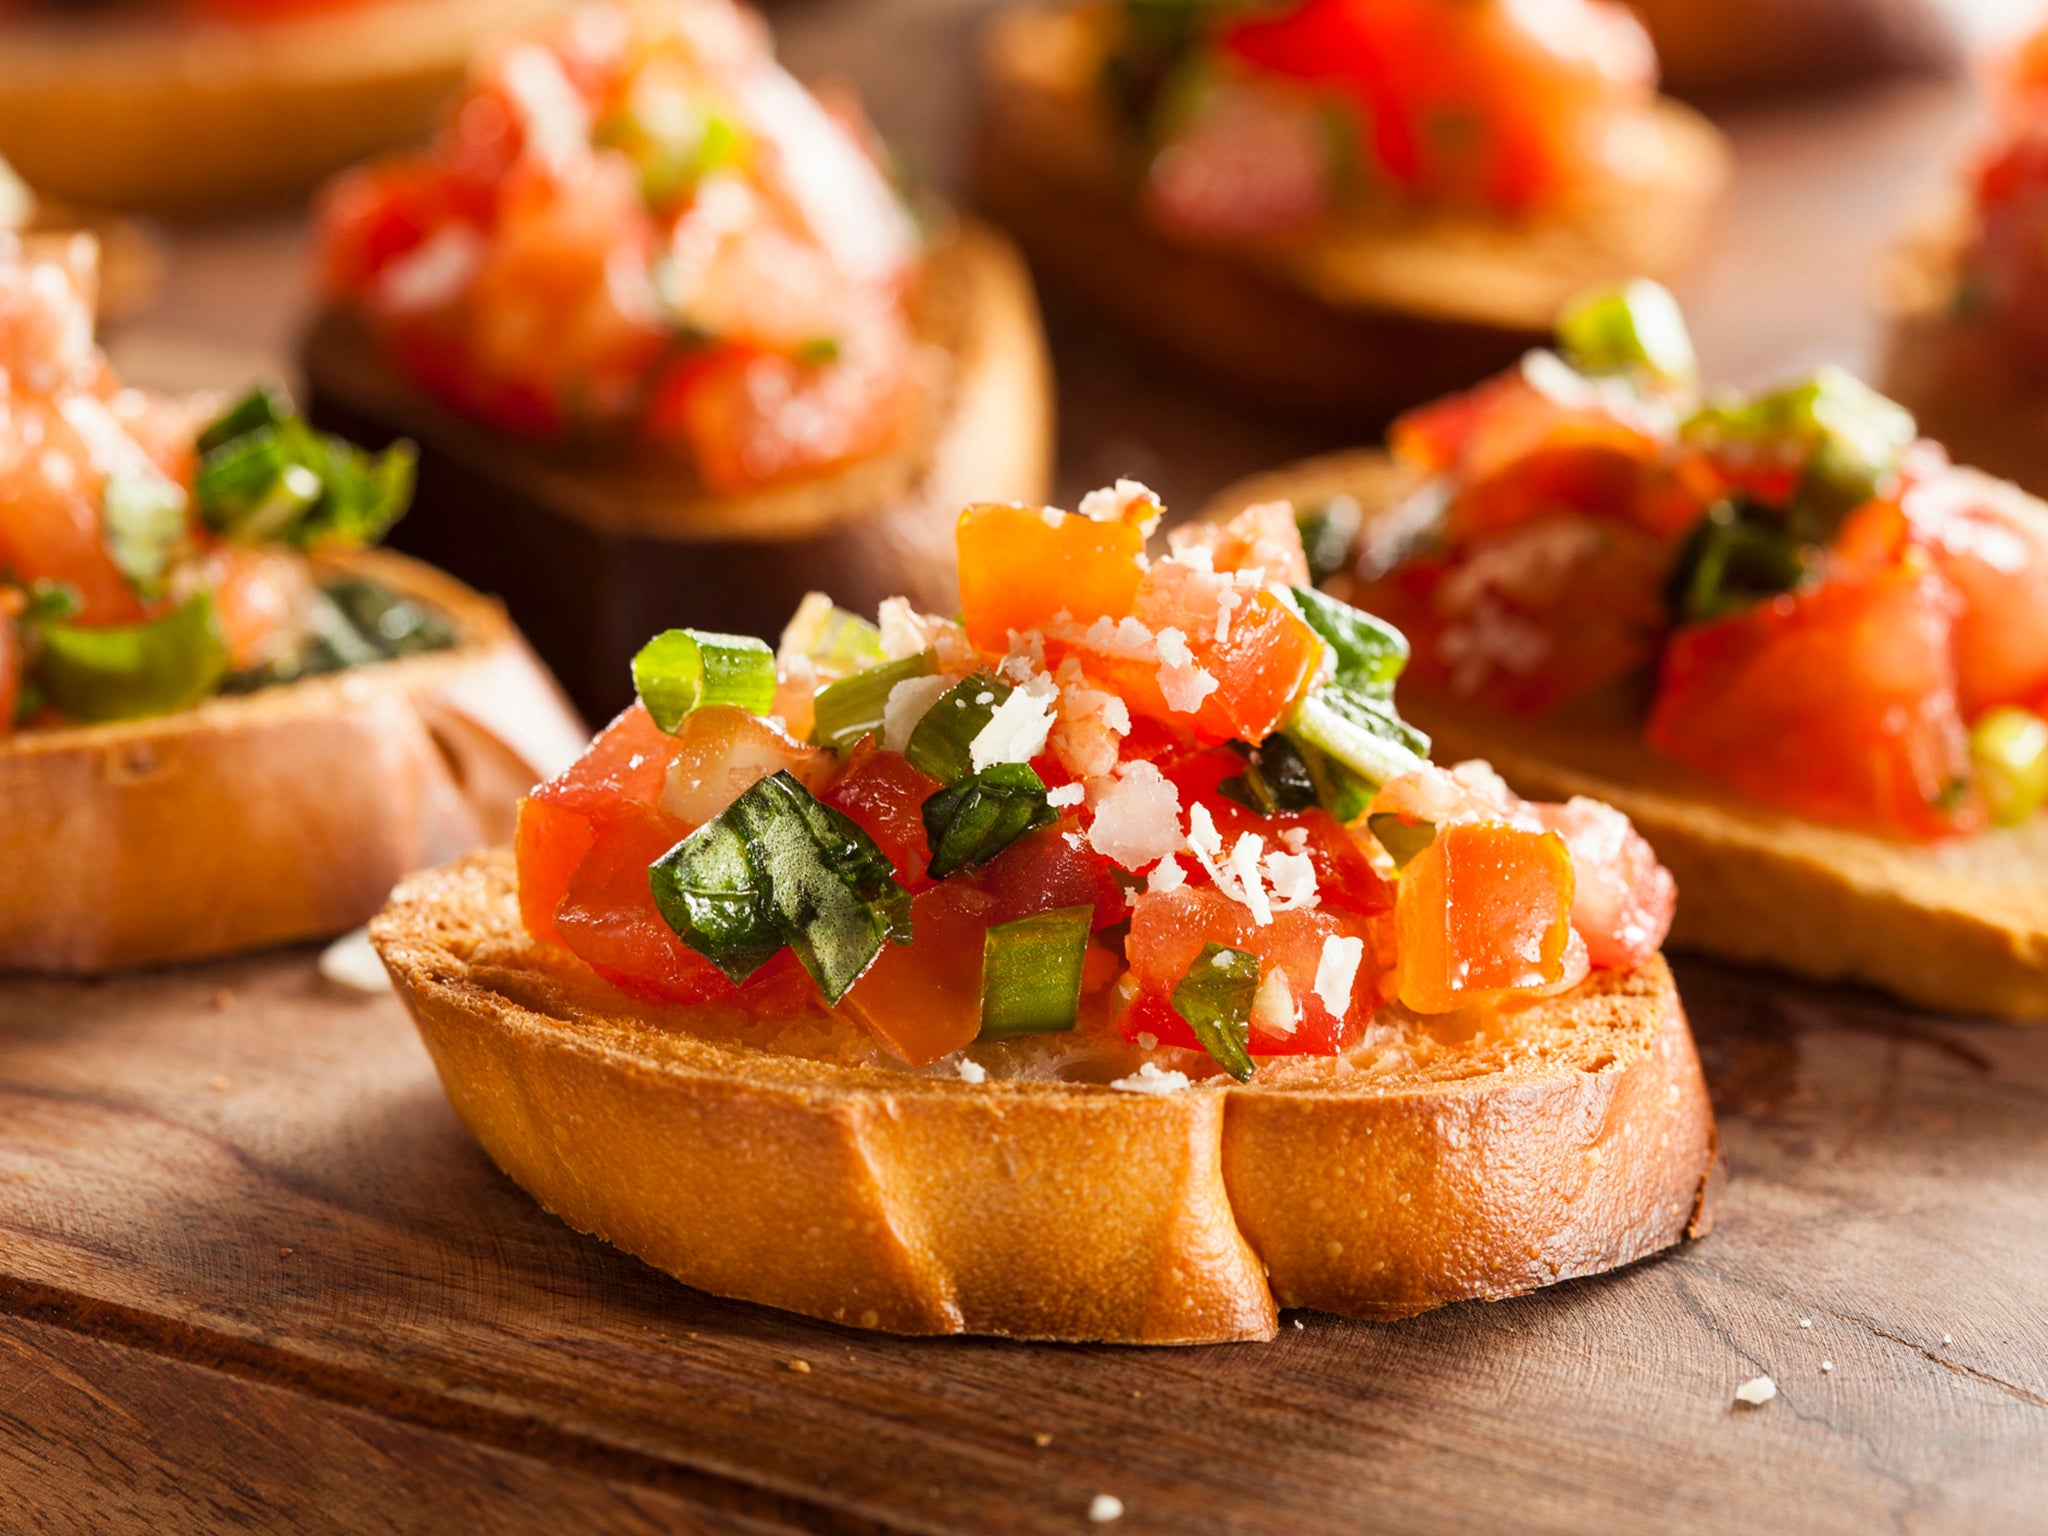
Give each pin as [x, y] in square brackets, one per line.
[254, 1276]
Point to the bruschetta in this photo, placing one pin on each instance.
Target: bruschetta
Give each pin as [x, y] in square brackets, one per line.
[1107, 962]
[1334, 208]
[224, 722]
[1803, 651]
[672, 341]
[180, 105]
[1967, 290]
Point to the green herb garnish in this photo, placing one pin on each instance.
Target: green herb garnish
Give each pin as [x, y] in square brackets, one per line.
[1031, 973]
[852, 707]
[779, 868]
[126, 671]
[970, 822]
[1635, 327]
[1327, 533]
[143, 517]
[1215, 997]
[940, 744]
[266, 476]
[681, 671]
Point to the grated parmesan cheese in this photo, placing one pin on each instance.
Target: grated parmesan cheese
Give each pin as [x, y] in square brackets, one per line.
[1337, 971]
[1137, 819]
[1149, 1079]
[1167, 875]
[1016, 731]
[1066, 794]
[1293, 879]
[1185, 688]
[907, 704]
[1128, 501]
[971, 1071]
[1757, 1391]
[1273, 1009]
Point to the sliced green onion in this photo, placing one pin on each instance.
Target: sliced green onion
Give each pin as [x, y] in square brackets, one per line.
[1327, 534]
[126, 671]
[1215, 997]
[939, 745]
[2009, 747]
[1402, 838]
[1276, 778]
[262, 406]
[51, 600]
[1362, 734]
[281, 480]
[681, 671]
[818, 351]
[1852, 437]
[1634, 327]
[1031, 973]
[832, 639]
[852, 708]
[143, 517]
[1370, 653]
[777, 867]
[969, 823]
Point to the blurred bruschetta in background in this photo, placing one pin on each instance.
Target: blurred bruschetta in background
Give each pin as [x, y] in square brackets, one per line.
[1335, 208]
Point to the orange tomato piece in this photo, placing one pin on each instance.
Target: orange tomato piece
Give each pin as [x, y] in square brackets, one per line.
[1020, 568]
[1483, 911]
[608, 919]
[922, 1000]
[1837, 705]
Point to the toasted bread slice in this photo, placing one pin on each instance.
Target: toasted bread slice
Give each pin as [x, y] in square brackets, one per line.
[1437, 1161]
[1726, 48]
[1352, 325]
[283, 814]
[1961, 926]
[593, 557]
[146, 109]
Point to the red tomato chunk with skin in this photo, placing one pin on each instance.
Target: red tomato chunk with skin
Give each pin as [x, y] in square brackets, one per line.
[1484, 910]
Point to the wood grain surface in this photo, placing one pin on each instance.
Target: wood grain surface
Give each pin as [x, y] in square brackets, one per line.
[253, 1275]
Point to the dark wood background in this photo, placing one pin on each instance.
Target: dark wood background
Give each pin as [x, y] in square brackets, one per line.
[254, 1277]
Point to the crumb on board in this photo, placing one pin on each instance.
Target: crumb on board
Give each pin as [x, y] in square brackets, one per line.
[1948, 1338]
[1105, 1507]
[223, 998]
[801, 1367]
[285, 1253]
[1299, 1323]
[219, 1084]
[1806, 1322]
[1042, 1439]
[1756, 1391]
[1827, 1365]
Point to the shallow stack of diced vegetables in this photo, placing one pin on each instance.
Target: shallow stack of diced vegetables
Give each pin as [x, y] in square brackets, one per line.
[1163, 800]
[1835, 619]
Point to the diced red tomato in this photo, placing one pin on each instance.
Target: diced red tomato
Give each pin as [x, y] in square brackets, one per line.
[607, 916]
[1169, 929]
[1838, 705]
[1623, 899]
[1020, 568]
[1263, 538]
[923, 1000]
[1484, 910]
[1504, 105]
[1991, 542]
[50, 511]
[1046, 870]
[369, 218]
[886, 796]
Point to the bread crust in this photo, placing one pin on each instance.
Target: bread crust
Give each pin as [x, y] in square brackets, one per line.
[1578, 1139]
[176, 114]
[648, 545]
[1760, 47]
[1961, 927]
[278, 815]
[1352, 326]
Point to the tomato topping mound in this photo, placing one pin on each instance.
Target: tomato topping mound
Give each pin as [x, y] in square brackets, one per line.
[1133, 798]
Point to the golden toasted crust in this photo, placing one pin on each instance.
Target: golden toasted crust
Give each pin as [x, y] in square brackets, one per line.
[1357, 322]
[161, 112]
[283, 814]
[1445, 1160]
[1958, 926]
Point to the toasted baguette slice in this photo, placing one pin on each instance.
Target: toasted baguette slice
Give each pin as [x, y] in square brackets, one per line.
[593, 557]
[1438, 1161]
[144, 109]
[1959, 926]
[1353, 325]
[283, 814]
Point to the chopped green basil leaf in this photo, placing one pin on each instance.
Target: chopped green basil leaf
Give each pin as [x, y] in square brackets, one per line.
[969, 823]
[683, 670]
[818, 351]
[51, 600]
[939, 744]
[1634, 327]
[1369, 652]
[126, 671]
[1276, 778]
[262, 406]
[1215, 997]
[777, 867]
[852, 708]
[1031, 973]
[143, 517]
[1327, 534]
[351, 623]
[1402, 838]
[1737, 555]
